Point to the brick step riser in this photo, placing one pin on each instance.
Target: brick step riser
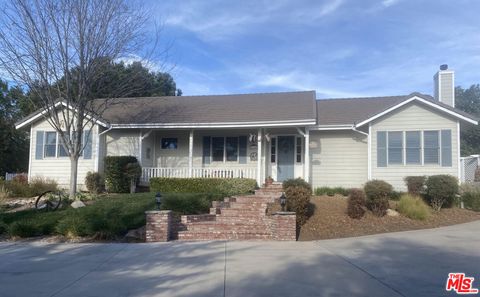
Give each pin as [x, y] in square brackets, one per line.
[232, 229]
[222, 236]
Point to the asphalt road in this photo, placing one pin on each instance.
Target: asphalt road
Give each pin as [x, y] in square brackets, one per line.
[414, 263]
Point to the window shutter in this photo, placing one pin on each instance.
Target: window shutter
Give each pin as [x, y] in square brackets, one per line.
[242, 150]
[381, 149]
[446, 148]
[39, 146]
[87, 139]
[206, 150]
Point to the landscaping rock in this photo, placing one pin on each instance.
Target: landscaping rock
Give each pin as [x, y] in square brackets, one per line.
[136, 235]
[77, 204]
[392, 213]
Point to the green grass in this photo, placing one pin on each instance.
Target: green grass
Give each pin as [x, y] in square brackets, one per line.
[108, 218]
[413, 207]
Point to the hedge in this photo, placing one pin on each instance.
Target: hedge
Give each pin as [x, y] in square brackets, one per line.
[116, 179]
[227, 186]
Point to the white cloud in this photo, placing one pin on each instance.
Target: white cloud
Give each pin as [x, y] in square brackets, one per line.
[388, 3]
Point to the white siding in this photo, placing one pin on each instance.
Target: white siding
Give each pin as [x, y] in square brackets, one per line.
[59, 168]
[338, 158]
[123, 143]
[413, 117]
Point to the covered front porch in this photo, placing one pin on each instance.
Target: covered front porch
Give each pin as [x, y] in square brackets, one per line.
[256, 153]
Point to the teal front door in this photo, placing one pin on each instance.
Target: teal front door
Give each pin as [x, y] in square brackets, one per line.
[286, 157]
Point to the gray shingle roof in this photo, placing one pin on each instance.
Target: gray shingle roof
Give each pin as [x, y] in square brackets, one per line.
[349, 111]
[264, 107]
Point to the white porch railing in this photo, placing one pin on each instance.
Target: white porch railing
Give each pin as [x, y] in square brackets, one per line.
[149, 172]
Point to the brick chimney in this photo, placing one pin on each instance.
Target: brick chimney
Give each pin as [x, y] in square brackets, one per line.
[444, 85]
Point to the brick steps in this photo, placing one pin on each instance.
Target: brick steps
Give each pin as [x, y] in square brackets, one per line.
[241, 217]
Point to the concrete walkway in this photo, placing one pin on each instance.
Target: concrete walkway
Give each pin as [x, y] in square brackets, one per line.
[412, 263]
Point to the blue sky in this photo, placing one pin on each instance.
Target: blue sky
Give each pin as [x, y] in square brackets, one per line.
[340, 48]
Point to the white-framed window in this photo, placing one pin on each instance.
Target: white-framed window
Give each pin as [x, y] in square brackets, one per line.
[225, 149]
[50, 145]
[273, 153]
[298, 150]
[429, 147]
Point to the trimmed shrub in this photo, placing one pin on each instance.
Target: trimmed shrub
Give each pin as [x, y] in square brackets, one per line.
[224, 186]
[378, 192]
[415, 184]
[396, 195]
[441, 191]
[413, 207]
[116, 179]
[470, 195]
[356, 203]
[189, 203]
[331, 191]
[94, 182]
[297, 182]
[298, 199]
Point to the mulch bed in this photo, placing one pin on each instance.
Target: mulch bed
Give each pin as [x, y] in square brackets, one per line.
[330, 220]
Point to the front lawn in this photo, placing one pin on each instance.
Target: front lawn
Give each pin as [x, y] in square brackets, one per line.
[330, 220]
[106, 218]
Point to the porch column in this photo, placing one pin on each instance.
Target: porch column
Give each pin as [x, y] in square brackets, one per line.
[190, 154]
[259, 157]
[306, 166]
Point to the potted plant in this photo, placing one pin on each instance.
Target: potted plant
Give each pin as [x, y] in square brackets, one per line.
[133, 171]
[268, 181]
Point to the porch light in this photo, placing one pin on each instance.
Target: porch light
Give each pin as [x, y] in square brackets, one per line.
[283, 201]
[158, 200]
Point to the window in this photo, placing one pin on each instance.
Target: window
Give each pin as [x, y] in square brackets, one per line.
[381, 149]
[273, 155]
[218, 146]
[50, 144]
[413, 147]
[231, 148]
[395, 147]
[61, 150]
[446, 148]
[169, 143]
[431, 149]
[298, 157]
[148, 153]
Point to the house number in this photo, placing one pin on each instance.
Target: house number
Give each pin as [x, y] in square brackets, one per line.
[253, 156]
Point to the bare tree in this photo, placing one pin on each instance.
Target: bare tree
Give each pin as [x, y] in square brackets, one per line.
[57, 49]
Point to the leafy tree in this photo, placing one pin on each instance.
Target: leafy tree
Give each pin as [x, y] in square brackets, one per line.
[14, 143]
[468, 100]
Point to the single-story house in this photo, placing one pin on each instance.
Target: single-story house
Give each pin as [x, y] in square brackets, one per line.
[328, 142]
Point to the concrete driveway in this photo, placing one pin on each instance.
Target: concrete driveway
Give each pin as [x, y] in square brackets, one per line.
[412, 263]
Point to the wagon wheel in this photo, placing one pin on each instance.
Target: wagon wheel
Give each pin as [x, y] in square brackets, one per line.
[49, 200]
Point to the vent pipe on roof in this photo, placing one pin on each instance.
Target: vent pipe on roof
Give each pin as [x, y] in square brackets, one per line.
[444, 85]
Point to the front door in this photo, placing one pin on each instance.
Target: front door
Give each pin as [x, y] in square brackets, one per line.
[286, 157]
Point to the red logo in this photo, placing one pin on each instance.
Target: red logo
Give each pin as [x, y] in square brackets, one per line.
[460, 283]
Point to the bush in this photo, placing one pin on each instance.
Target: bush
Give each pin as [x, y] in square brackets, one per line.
[413, 207]
[93, 182]
[23, 228]
[224, 186]
[356, 204]
[298, 200]
[378, 192]
[40, 185]
[331, 191]
[470, 195]
[476, 177]
[116, 179]
[189, 203]
[415, 184]
[297, 182]
[396, 195]
[441, 191]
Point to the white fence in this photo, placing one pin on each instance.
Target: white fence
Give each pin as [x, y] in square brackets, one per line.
[149, 172]
[10, 176]
[468, 165]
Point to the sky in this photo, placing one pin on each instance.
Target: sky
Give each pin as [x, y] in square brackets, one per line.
[339, 48]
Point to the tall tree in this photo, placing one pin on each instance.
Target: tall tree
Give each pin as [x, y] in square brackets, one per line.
[58, 48]
[468, 100]
[14, 143]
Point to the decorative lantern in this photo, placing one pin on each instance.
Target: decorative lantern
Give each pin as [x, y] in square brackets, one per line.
[158, 200]
[283, 201]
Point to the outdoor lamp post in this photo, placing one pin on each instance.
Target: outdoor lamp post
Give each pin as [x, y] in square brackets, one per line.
[283, 201]
[158, 200]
